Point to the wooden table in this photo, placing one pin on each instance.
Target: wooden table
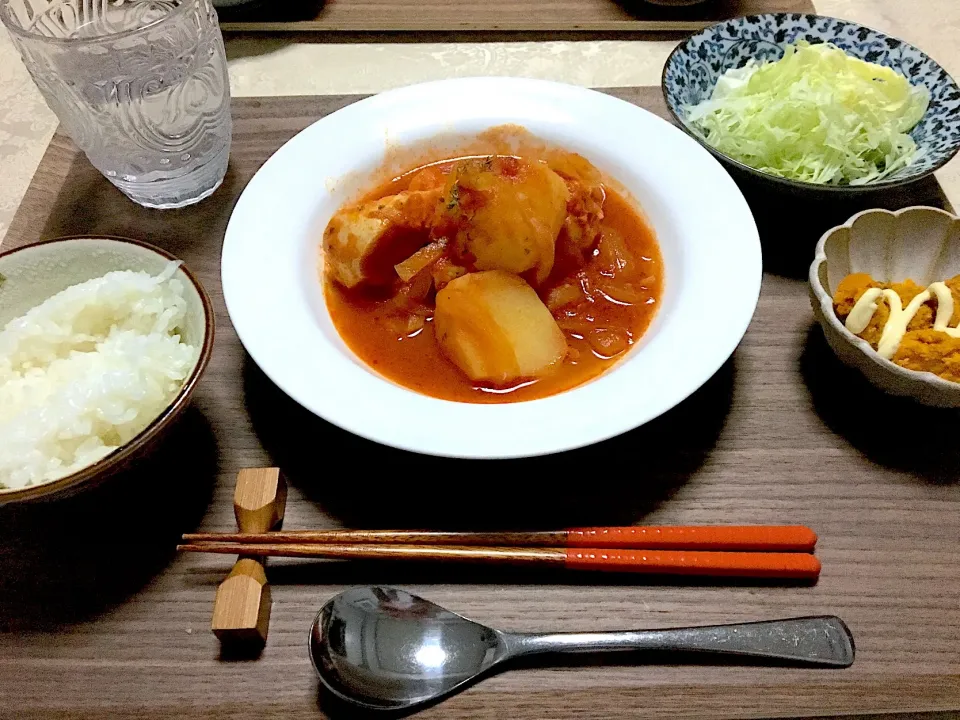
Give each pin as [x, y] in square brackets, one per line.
[99, 618]
[570, 16]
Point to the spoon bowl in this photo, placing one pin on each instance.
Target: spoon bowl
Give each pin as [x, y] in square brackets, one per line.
[386, 649]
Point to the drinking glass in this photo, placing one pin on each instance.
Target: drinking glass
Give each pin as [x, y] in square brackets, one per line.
[141, 87]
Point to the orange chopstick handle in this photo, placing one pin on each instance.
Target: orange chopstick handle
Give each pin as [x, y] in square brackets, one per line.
[680, 562]
[760, 538]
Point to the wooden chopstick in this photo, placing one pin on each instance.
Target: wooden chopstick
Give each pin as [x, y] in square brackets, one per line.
[670, 562]
[740, 538]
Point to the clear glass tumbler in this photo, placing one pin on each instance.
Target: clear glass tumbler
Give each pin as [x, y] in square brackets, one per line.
[140, 85]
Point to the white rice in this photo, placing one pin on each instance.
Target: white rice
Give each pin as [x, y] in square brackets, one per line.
[87, 370]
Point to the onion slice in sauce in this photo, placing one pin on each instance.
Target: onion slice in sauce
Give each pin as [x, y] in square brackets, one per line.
[422, 258]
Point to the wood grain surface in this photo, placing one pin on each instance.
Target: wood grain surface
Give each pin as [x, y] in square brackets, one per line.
[491, 15]
[92, 628]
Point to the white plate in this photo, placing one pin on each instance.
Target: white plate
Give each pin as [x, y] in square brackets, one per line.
[707, 235]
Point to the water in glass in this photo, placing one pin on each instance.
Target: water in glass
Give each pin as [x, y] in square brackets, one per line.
[140, 85]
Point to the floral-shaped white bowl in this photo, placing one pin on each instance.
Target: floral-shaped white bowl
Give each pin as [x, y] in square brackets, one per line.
[919, 243]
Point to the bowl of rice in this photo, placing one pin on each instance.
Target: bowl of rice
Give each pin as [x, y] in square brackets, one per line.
[102, 343]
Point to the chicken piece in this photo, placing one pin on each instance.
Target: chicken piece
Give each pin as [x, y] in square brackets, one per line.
[504, 213]
[585, 205]
[362, 244]
[494, 328]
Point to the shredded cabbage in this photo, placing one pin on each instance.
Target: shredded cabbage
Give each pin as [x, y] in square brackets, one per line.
[816, 115]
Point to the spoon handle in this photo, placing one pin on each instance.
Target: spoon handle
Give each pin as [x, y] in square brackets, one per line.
[822, 640]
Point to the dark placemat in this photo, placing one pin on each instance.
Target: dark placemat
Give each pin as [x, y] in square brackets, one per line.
[576, 16]
[99, 618]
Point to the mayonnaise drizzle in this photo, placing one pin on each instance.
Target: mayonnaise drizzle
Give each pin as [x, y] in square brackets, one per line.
[900, 317]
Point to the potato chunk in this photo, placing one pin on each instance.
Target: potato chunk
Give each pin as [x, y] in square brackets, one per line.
[362, 244]
[494, 328]
[504, 213]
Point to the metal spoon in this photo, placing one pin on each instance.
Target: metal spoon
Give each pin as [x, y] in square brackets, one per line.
[386, 649]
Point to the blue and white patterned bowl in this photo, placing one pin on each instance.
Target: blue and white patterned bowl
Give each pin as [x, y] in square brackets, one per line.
[692, 70]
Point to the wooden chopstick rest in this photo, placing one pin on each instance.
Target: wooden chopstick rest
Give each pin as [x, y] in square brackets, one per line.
[241, 609]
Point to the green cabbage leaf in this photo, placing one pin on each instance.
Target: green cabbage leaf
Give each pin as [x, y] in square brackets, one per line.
[816, 115]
